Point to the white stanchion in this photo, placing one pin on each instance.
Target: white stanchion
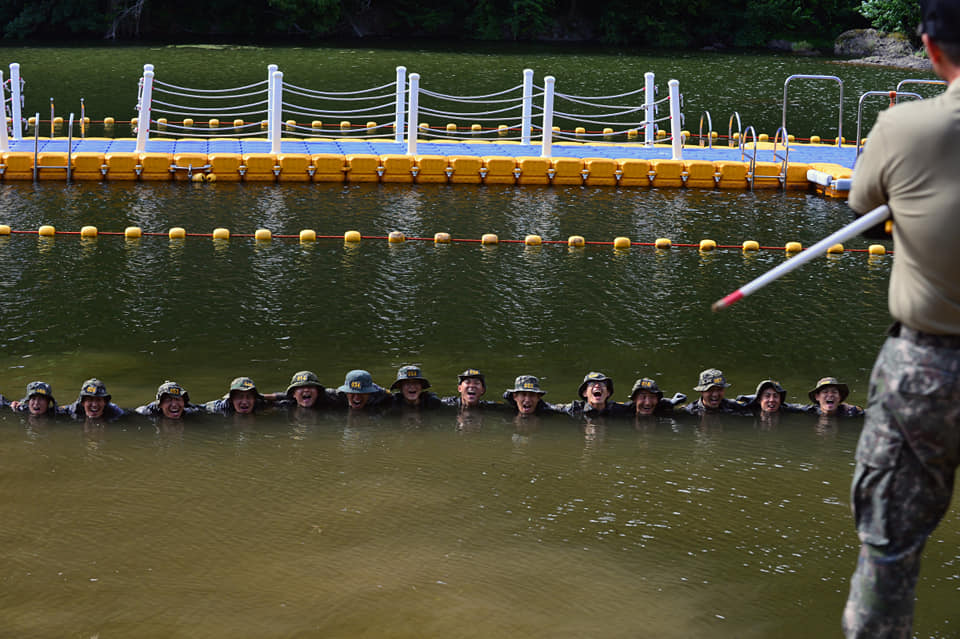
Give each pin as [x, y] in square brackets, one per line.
[649, 129]
[143, 112]
[675, 123]
[413, 125]
[526, 117]
[400, 113]
[274, 125]
[16, 100]
[546, 147]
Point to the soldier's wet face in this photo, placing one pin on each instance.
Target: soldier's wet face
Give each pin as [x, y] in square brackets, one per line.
[38, 404]
[829, 399]
[645, 402]
[171, 406]
[93, 406]
[769, 400]
[526, 402]
[357, 401]
[243, 401]
[306, 396]
[713, 396]
[596, 394]
[471, 389]
[410, 390]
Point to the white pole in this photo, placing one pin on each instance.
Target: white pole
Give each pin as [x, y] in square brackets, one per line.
[861, 224]
[650, 130]
[675, 125]
[143, 115]
[527, 115]
[413, 124]
[16, 99]
[4, 143]
[401, 107]
[271, 69]
[545, 147]
[274, 124]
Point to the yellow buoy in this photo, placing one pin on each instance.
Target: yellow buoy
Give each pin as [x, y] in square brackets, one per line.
[621, 242]
[188, 122]
[580, 131]
[424, 126]
[877, 249]
[213, 123]
[308, 235]
[351, 236]
[264, 124]
[210, 177]
[661, 134]
[814, 139]
[177, 233]
[238, 124]
[793, 247]
[371, 125]
[291, 125]
[316, 124]
[263, 235]
[161, 123]
[451, 128]
[221, 234]
[4, 229]
[663, 243]
[88, 231]
[764, 137]
[503, 130]
[533, 240]
[133, 122]
[476, 128]
[607, 132]
[751, 245]
[46, 231]
[396, 237]
[197, 177]
[836, 248]
[576, 240]
[489, 238]
[345, 125]
[632, 134]
[441, 238]
[791, 138]
[32, 121]
[707, 245]
[132, 232]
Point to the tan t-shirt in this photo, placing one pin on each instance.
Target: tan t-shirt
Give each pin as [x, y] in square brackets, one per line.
[912, 163]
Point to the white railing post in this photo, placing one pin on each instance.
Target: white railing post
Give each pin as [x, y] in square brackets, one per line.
[271, 69]
[650, 130]
[16, 100]
[274, 124]
[401, 111]
[413, 125]
[546, 145]
[527, 115]
[675, 124]
[4, 143]
[143, 113]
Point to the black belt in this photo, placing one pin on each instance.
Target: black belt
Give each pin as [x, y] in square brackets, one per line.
[922, 338]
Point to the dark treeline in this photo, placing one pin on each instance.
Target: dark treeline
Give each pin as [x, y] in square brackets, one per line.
[695, 23]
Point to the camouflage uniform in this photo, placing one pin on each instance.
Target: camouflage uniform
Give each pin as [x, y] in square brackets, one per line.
[92, 388]
[583, 408]
[425, 401]
[37, 388]
[176, 390]
[224, 405]
[906, 460]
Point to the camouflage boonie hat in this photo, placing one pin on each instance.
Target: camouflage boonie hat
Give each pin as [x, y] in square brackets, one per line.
[39, 388]
[173, 389]
[524, 384]
[412, 373]
[243, 384]
[358, 381]
[301, 379]
[775, 385]
[93, 387]
[595, 377]
[645, 384]
[828, 381]
[710, 378]
[472, 373]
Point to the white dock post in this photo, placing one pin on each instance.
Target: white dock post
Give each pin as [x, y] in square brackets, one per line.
[675, 124]
[527, 114]
[16, 100]
[650, 129]
[413, 125]
[401, 110]
[271, 69]
[276, 102]
[4, 143]
[546, 145]
[143, 112]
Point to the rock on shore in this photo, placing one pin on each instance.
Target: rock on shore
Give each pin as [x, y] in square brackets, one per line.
[869, 46]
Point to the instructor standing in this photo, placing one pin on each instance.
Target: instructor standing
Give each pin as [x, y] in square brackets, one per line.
[909, 449]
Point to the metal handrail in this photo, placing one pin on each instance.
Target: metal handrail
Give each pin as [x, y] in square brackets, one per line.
[783, 122]
[895, 94]
[916, 81]
[730, 128]
[753, 159]
[786, 152]
[709, 130]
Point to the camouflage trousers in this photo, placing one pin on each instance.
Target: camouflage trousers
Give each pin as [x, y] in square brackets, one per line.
[906, 460]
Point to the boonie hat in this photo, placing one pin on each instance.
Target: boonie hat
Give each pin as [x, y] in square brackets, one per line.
[358, 381]
[411, 372]
[710, 378]
[595, 377]
[39, 388]
[775, 385]
[173, 389]
[243, 384]
[524, 384]
[472, 373]
[303, 378]
[828, 381]
[645, 384]
[93, 387]
[940, 19]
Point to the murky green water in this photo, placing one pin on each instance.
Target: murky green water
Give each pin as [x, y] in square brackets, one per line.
[432, 526]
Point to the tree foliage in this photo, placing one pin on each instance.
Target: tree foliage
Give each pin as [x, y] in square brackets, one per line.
[892, 15]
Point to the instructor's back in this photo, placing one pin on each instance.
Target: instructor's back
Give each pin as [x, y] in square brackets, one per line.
[910, 446]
